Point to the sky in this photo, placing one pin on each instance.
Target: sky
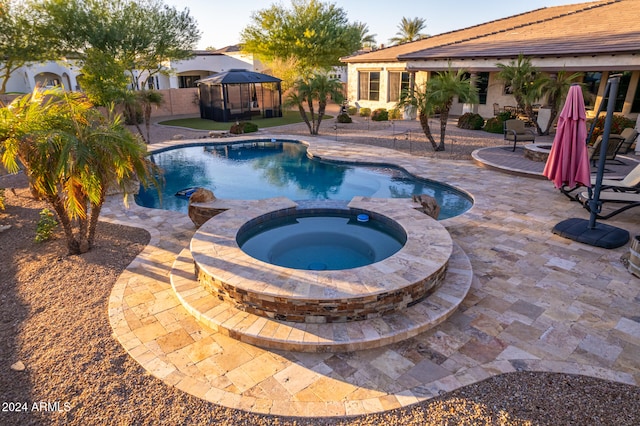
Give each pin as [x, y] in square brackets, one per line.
[221, 22]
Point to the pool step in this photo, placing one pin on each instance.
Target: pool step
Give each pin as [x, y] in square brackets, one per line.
[329, 337]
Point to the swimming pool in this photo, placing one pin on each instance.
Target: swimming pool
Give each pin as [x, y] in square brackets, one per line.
[266, 169]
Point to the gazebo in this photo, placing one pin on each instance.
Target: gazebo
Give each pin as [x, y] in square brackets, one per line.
[239, 94]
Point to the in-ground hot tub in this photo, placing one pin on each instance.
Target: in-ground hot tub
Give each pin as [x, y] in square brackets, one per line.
[394, 283]
[321, 239]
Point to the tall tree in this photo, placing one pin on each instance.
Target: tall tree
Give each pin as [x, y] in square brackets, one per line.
[409, 30]
[318, 89]
[140, 35]
[314, 33]
[444, 87]
[555, 88]
[71, 154]
[525, 82]
[438, 95]
[22, 39]
[366, 39]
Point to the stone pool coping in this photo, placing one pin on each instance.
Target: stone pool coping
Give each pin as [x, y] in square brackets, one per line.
[298, 295]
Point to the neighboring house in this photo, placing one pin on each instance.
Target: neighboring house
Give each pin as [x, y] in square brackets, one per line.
[185, 73]
[45, 74]
[596, 38]
[177, 75]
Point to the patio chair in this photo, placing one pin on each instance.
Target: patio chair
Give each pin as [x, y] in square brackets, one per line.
[630, 183]
[612, 149]
[630, 135]
[628, 200]
[515, 131]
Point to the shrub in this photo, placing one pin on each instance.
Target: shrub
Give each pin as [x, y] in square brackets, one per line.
[506, 115]
[494, 125]
[365, 112]
[618, 124]
[380, 114]
[243, 127]
[1, 198]
[46, 225]
[352, 110]
[470, 121]
[395, 114]
[344, 118]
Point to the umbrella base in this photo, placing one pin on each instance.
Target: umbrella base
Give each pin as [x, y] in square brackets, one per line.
[605, 236]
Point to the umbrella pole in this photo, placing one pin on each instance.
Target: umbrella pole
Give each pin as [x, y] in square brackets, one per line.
[595, 206]
[590, 232]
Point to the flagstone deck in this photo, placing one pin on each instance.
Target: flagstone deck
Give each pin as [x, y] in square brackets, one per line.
[537, 302]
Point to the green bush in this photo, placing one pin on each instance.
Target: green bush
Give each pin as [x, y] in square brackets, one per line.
[494, 125]
[243, 127]
[365, 112]
[344, 118]
[395, 114]
[506, 115]
[380, 114]
[618, 124]
[46, 225]
[470, 121]
[352, 110]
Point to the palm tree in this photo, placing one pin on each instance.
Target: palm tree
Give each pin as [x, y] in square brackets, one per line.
[525, 83]
[420, 99]
[316, 88]
[71, 154]
[409, 30]
[366, 39]
[444, 88]
[147, 99]
[555, 88]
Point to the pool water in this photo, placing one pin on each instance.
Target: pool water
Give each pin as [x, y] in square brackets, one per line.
[330, 240]
[265, 169]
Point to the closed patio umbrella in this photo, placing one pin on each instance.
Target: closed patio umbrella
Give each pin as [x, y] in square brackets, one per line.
[568, 162]
[589, 231]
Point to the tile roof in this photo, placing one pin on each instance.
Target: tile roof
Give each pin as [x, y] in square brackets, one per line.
[584, 28]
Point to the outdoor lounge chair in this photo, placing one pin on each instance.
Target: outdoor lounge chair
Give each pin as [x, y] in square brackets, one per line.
[630, 135]
[630, 183]
[612, 149]
[515, 131]
[627, 199]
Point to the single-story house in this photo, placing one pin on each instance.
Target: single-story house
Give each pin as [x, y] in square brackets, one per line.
[596, 38]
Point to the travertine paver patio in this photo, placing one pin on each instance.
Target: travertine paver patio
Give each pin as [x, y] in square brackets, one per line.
[538, 302]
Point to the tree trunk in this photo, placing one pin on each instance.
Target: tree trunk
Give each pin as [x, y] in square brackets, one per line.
[321, 108]
[424, 123]
[73, 246]
[444, 116]
[147, 121]
[528, 110]
[303, 114]
[93, 222]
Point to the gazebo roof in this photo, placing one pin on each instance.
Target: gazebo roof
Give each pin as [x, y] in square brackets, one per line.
[237, 76]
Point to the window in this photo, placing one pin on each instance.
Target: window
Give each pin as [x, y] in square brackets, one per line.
[369, 87]
[482, 83]
[591, 84]
[635, 106]
[187, 81]
[398, 83]
[625, 79]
